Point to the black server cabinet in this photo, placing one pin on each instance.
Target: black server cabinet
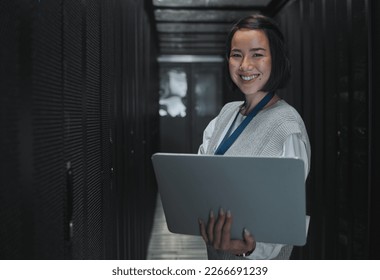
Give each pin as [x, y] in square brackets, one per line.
[72, 89]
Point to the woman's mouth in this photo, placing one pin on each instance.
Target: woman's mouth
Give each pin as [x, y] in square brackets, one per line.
[249, 78]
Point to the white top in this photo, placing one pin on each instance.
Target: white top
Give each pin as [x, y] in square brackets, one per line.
[293, 147]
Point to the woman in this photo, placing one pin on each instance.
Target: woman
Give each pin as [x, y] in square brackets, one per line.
[264, 125]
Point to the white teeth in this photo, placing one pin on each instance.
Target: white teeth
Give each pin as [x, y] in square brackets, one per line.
[248, 78]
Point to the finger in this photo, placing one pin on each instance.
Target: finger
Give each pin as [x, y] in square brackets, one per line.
[249, 240]
[226, 232]
[218, 228]
[210, 227]
[202, 230]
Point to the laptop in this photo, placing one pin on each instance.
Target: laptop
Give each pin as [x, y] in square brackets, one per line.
[266, 195]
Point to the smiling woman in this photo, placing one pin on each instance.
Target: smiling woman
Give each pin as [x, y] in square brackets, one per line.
[263, 125]
[250, 61]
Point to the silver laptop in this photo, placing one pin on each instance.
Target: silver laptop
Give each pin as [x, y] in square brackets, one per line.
[266, 195]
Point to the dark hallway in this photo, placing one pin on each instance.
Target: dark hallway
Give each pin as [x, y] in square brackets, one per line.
[85, 95]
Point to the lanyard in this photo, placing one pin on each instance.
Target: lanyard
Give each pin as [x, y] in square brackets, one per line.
[228, 140]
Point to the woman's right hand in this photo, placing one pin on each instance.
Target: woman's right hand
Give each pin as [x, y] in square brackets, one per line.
[218, 234]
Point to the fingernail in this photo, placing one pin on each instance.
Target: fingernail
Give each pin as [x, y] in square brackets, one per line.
[200, 221]
[246, 232]
[229, 213]
[221, 211]
[211, 214]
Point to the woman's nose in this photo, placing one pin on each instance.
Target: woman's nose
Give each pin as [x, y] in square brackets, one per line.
[246, 65]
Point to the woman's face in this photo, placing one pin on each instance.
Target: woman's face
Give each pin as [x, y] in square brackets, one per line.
[250, 61]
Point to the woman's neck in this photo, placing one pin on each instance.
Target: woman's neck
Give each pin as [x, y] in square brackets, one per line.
[252, 100]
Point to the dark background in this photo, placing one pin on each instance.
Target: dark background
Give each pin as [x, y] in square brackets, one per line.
[79, 123]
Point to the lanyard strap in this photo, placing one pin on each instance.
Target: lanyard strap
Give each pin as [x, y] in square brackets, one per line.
[228, 140]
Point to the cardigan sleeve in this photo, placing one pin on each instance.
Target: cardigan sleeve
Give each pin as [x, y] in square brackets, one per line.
[295, 147]
[207, 133]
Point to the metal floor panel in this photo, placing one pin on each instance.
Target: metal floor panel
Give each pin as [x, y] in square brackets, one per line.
[165, 245]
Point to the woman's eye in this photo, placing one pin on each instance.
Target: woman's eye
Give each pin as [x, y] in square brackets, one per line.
[235, 55]
[257, 55]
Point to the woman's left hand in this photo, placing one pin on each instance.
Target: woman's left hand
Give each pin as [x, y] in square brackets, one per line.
[218, 234]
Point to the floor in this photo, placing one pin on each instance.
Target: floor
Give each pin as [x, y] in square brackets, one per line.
[165, 245]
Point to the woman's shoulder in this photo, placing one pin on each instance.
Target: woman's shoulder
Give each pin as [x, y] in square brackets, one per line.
[282, 116]
[283, 110]
[232, 105]
[230, 108]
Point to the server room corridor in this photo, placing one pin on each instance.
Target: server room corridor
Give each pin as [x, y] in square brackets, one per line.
[91, 89]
